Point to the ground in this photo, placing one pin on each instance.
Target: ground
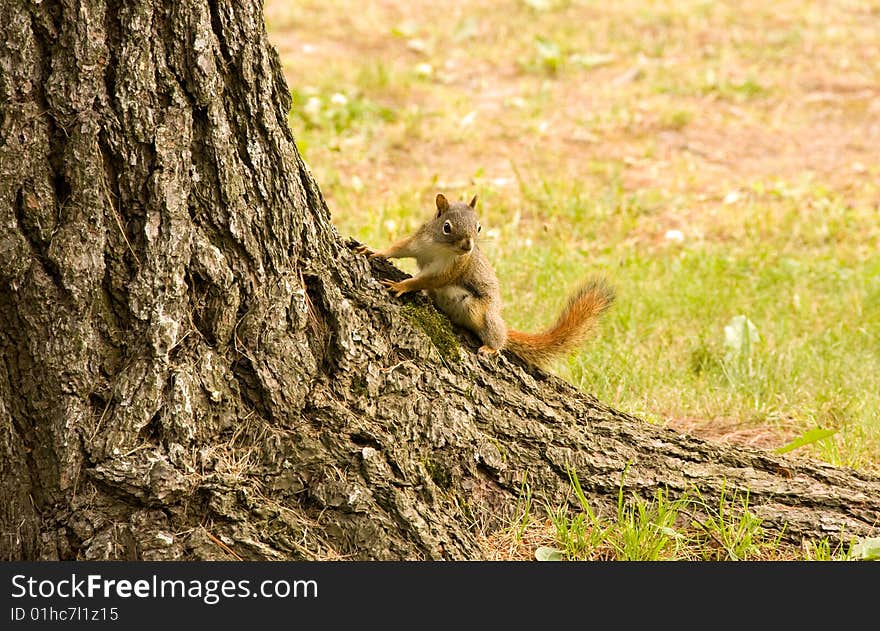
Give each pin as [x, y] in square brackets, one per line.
[712, 159]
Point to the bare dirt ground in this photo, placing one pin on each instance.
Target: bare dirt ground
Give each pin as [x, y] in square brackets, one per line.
[814, 116]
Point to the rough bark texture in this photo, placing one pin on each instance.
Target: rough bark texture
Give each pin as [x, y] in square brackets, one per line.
[194, 366]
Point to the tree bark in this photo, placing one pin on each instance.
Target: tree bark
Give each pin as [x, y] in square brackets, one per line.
[195, 366]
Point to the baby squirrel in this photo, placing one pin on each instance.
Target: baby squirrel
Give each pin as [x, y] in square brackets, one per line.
[462, 284]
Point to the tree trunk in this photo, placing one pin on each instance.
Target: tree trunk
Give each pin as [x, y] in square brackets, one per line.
[195, 366]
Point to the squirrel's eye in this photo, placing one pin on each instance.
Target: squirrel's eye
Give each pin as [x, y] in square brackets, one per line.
[447, 228]
[479, 227]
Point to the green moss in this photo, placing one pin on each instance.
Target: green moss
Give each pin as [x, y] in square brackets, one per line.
[436, 327]
[502, 450]
[439, 474]
[469, 515]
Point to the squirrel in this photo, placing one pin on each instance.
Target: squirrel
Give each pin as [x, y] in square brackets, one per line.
[462, 283]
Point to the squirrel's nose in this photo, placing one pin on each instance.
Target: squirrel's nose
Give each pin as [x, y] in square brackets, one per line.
[467, 244]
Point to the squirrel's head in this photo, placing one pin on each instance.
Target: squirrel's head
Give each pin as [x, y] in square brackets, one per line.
[457, 224]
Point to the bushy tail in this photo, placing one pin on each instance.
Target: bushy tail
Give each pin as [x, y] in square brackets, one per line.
[571, 329]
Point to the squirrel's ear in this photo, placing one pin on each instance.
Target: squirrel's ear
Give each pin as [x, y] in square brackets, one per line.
[473, 203]
[442, 204]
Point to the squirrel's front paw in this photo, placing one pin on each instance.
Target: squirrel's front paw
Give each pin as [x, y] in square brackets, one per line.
[363, 249]
[396, 288]
[487, 350]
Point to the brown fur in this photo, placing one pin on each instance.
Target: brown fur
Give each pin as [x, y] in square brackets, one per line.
[571, 328]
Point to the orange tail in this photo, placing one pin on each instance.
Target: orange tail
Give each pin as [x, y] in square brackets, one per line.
[570, 330]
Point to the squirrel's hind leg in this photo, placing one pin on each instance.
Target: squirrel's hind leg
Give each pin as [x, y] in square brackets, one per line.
[493, 333]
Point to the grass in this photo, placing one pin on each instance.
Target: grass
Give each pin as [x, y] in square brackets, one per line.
[712, 160]
[660, 528]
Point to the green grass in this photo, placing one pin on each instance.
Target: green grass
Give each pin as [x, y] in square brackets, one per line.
[664, 529]
[807, 282]
[659, 528]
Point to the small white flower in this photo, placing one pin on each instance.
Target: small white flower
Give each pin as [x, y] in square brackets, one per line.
[675, 235]
[338, 98]
[313, 106]
[732, 197]
[418, 45]
[424, 70]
